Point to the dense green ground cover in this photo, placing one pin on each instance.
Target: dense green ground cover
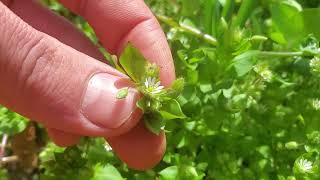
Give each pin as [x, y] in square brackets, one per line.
[252, 96]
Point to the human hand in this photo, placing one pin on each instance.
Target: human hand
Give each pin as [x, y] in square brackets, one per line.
[49, 72]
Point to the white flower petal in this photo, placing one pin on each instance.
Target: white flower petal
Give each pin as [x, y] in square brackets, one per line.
[107, 147]
[158, 88]
[305, 165]
[154, 81]
[156, 91]
[157, 84]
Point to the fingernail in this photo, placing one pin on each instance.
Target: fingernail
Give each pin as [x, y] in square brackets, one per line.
[100, 104]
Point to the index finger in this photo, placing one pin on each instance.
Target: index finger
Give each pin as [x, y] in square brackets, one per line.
[117, 22]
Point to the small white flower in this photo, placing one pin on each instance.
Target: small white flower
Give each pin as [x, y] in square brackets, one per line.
[107, 147]
[266, 75]
[264, 72]
[305, 165]
[316, 104]
[153, 86]
[315, 64]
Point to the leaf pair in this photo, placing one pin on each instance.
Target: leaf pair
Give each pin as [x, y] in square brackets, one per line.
[157, 103]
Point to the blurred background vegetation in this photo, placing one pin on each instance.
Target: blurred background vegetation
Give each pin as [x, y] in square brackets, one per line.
[252, 99]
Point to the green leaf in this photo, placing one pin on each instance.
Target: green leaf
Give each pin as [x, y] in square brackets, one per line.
[244, 12]
[310, 46]
[283, 14]
[311, 21]
[169, 173]
[115, 63]
[307, 166]
[11, 123]
[141, 103]
[243, 63]
[106, 172]
[176, 88]
[291, 145]
[155, 123]
[171, 110]
[122, 93]
[133, 63]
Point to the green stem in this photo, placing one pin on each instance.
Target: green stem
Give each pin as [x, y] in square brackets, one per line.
[228, 9]
[280, 54]
[245, 10]
[188, 29]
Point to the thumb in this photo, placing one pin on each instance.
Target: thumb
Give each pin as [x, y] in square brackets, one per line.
[46, 80]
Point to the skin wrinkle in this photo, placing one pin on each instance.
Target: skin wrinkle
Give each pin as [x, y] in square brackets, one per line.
[150, 27]
[45, 94]
[126, 22]
[48, 87]
[151, 150]
[119, 47]
[117, 17]
[6, 63]
[26, 61]
[7, 36]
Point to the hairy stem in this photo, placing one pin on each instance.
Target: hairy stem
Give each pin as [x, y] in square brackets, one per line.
[9, 159]
[281, 54]
[188, 29]
[3, 144]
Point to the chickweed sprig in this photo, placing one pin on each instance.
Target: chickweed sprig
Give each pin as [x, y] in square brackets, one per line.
[158, 103]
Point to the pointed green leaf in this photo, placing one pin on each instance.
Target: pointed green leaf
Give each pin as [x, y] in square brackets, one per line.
[169, 173]
[115, 63]
[106, 172]
[154, 123]
[243, 63]
[171, 110]
[133, 62]
[176, 88]
[141, 103]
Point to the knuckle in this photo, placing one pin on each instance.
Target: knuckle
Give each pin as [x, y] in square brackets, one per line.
[37, 64]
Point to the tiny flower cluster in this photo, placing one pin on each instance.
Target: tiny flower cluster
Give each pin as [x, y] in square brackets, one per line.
[264, 72]
[315, 65]
[153, 86]
[305, 165]
[316, 104]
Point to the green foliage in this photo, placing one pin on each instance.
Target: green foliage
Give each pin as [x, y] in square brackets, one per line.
[10, 122]
[157, 103]
[251, 72]
[133, 63]
[90, 159]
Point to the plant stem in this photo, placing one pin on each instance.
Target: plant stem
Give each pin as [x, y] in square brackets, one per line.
[9, 159]
[188, 29]
[3, 144]
[280, 54]
[245, 10]
[213, 41]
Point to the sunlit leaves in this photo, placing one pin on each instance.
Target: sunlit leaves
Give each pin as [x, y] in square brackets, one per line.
[157, 103]
[243, 63]
[249, 116]
[133, 62]
[10, 122]
[106, 172]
